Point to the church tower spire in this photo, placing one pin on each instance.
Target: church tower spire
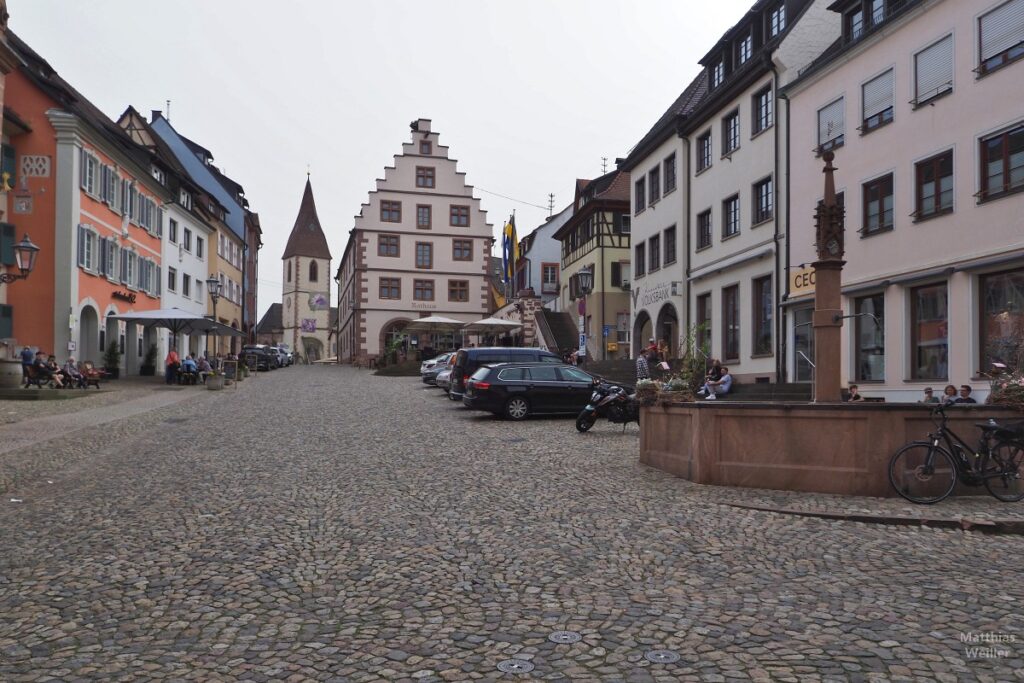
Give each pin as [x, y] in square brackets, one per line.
[306, 317]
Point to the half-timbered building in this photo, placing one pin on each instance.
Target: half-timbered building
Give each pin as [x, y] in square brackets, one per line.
[595, 240]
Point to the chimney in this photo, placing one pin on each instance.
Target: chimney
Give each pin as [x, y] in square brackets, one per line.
[155, 114]
[421, 126]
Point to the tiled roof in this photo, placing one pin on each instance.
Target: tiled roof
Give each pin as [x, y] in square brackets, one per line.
[271, 321]
[307, 238]
[684, 104]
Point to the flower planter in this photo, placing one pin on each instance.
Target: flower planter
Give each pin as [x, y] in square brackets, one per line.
[674, 398]
[215, 382]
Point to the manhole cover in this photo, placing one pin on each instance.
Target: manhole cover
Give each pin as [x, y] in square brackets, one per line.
[515, 666]
[661, 656]
[565, 637]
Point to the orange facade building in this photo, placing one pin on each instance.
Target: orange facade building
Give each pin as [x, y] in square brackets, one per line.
[91, 199]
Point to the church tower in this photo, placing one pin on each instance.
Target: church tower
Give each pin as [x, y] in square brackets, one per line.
[306, 304]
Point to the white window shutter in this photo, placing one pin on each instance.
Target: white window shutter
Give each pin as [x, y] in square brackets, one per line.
[933, 69]
[878, 94]
[831, 122]
[1002, 29]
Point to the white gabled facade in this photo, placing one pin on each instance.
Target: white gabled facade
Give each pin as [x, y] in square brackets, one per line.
[185, 253]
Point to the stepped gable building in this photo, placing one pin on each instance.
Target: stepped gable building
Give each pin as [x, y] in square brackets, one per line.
[920, 100]
[306, 314]
[420, 246]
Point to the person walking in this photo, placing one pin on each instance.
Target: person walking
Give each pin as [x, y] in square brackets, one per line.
[27, 357]
[643, 370]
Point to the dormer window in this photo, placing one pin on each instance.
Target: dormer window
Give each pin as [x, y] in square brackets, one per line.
[877, 11]
[776, 20]
[744, 49]
[159, 174]
[855, 24]
[718, 73]
[185, 199]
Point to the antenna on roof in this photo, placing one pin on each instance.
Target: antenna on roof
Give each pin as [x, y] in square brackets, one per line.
[604, 165]
[168, 117]
[551, 203]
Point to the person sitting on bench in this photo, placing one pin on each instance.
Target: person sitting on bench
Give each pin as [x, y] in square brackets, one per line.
[43, 371]
[189, 369]
[715, 388]
[73, 374]
[204, 368]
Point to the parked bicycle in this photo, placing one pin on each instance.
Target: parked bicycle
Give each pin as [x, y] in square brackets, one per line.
[927, 471]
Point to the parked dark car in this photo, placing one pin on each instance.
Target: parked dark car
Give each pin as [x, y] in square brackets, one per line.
[468, 360]
[518, 390]
[265, 357]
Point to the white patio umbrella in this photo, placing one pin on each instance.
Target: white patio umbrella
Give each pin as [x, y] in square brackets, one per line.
[433, 323]
[178, 322]
[491, 326]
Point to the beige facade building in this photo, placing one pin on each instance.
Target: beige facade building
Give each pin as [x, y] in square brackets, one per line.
[306, 272]
[921, 102]
[419, 247]
[596, 240]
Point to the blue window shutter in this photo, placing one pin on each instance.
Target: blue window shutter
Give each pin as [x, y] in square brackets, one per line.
[83, 164]
[124, 265]
[103, 255]
[6, 321]
[81, 246]
[7, 237]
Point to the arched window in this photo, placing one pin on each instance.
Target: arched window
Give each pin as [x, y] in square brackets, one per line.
[289, 271]
[312, 271]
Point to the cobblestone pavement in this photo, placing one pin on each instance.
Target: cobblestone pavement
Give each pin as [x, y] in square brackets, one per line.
[326, 524]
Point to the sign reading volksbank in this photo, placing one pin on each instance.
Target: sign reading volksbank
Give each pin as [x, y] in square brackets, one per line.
[654, 294]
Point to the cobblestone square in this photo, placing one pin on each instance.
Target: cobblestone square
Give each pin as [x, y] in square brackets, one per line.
[326, 524]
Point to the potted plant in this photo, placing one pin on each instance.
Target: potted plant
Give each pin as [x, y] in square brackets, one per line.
[675, 390]
[215, 380]
[646, 390]
[148, 367]
[112, 361]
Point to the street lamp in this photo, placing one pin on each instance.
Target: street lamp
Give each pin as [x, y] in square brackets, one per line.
[213, 286]
[585, 278]
[25, 257]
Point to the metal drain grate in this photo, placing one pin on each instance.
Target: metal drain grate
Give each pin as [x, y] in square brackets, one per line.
[565, 637]
[661, 656]
[515, 666]
[514, 439]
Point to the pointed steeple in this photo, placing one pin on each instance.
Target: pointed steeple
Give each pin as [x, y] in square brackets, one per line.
[307, 238]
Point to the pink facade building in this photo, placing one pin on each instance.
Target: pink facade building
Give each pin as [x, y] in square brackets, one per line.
[921, 103]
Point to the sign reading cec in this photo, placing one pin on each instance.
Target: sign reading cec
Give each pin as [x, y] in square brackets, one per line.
[801, 282]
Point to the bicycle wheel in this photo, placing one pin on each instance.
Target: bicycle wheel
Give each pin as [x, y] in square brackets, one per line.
[1008, 461]
[922, 473]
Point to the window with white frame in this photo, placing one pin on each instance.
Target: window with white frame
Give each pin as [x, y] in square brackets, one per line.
[90, 173]
[200, 247]
[718, 73]
[186, 285]
[131, 274]
[172, 279]
[731, 132]
[88, 258]
[731, 216]
[831, 125]
[933, 71]
[186, 239]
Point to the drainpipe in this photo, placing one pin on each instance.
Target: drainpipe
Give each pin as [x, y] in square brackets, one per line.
[604, 296]
[779, 360]
[686, 223]
[782, 343]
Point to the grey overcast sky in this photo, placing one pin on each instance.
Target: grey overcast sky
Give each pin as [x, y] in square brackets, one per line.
[528, 94]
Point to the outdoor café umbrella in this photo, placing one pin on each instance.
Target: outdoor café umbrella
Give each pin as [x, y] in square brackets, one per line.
[178, 322]
[433, 323]
[491, 326]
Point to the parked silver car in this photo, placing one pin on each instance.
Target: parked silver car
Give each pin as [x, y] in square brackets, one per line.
[429, 369]
[443, 380]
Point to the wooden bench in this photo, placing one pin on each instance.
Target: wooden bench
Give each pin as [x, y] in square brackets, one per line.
[34, 379]
[91, 374]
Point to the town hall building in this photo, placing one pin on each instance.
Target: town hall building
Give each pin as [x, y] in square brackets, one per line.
[419, 247]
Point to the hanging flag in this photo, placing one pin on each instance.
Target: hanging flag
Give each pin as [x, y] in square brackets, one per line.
[510, 249]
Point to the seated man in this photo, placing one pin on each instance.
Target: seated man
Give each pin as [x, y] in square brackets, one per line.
[965, 395]
[43, 371]
[714, 388]
[189, 367]
[854, 396]
[73, 374]
[204, 368]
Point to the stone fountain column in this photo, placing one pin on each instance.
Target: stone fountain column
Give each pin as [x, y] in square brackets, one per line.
[828, 303]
